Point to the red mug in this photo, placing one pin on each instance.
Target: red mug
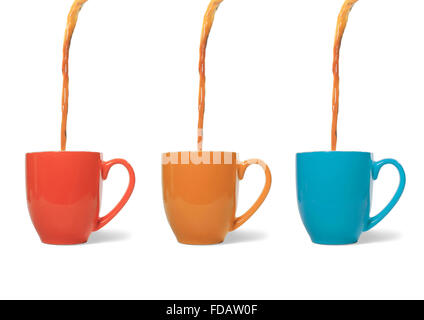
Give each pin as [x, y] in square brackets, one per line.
[64, 194]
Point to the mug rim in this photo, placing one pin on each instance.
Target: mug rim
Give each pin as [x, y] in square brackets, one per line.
[62, 152]
[333, 152]
[179, 152]
[186, 158]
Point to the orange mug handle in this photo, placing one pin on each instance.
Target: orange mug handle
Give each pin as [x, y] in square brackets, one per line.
[241, 171]
[101, 222]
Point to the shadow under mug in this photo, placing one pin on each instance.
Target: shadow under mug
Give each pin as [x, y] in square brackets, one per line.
[200, 191]
[334, 193]
[64, 194]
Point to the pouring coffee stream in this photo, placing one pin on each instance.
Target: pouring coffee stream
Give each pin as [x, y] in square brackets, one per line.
[70, 27]
[207, 25]
[341, 26]
[206, 29]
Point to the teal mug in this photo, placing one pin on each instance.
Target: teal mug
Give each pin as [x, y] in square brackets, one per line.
[334, 193]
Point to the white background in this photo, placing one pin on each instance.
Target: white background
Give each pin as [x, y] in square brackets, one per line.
[133, 94]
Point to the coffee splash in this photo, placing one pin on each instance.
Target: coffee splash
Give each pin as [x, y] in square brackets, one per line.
[341, 26]
[70, 27]
[206, 29]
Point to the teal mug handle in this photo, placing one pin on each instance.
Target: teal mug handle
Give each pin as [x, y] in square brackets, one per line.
[376, 167]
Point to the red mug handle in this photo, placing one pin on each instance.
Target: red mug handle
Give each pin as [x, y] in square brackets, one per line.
[105, 167]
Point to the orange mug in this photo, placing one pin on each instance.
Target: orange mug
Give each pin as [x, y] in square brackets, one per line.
[64, 194]
[200, 192]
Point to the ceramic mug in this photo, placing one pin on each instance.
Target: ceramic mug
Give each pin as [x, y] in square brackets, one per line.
[200, 191]
[64, 194]
[334, 193]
